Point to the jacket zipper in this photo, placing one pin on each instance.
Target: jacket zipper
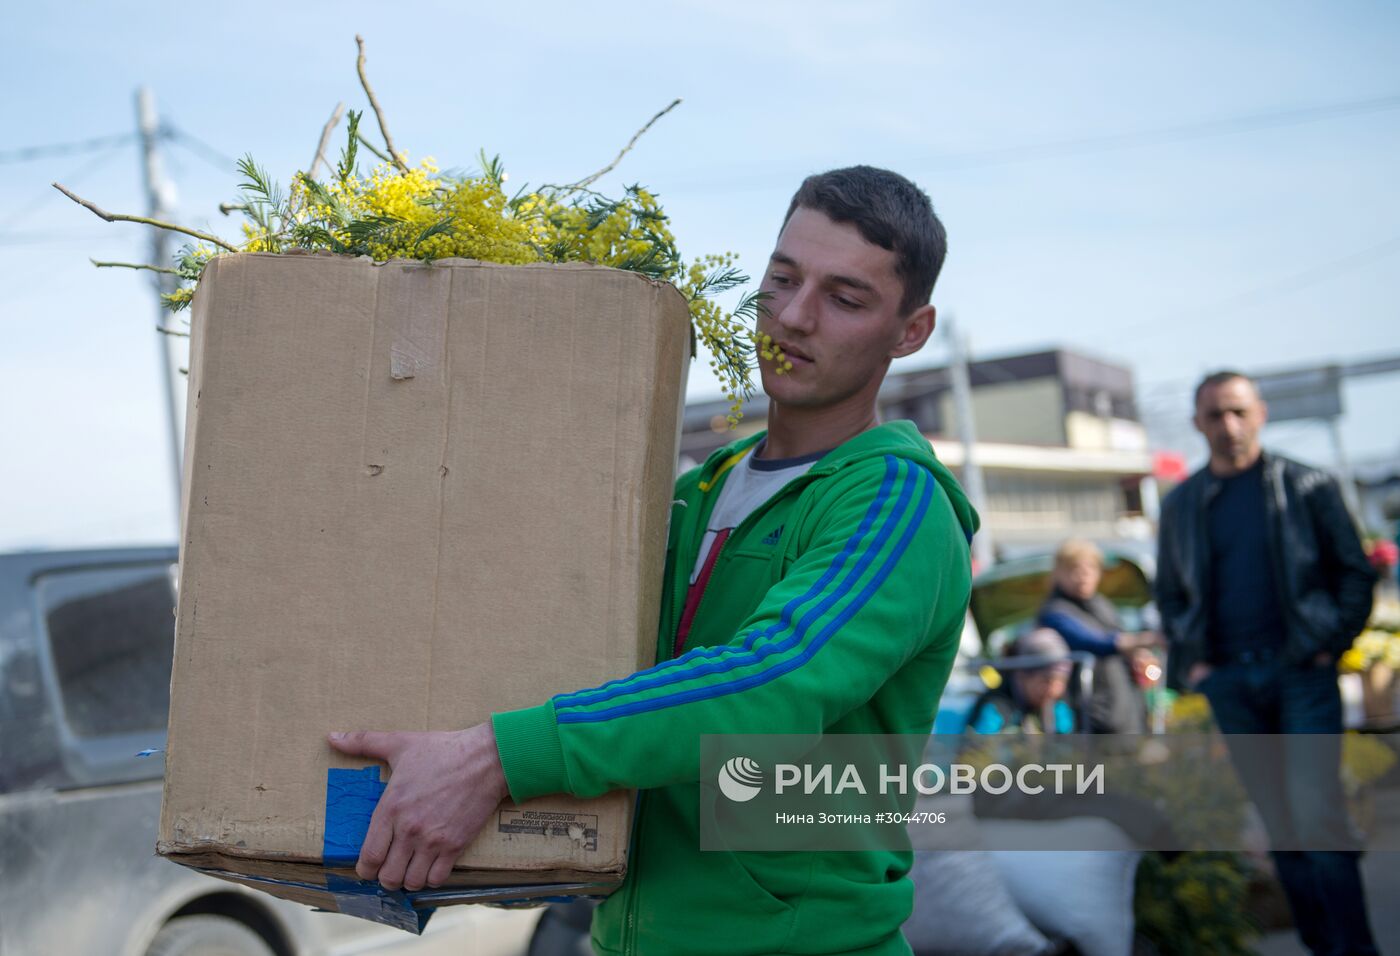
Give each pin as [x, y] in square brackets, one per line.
[680, 576]
[701, 585]
[629, 923]
[678, 586]
[681, 571]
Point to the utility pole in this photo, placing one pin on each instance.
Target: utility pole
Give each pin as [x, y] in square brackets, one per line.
[982, 550]
[159, 200]
[1314, 392]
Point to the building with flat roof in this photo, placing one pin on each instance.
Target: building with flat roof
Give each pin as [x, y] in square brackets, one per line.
[1059, 442]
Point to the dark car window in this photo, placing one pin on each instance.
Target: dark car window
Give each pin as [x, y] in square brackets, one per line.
[111, 637]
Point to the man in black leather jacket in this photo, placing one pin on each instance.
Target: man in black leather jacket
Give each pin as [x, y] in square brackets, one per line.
[1262, 584]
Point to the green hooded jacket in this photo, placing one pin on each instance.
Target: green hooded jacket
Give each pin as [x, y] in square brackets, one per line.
[836, 607]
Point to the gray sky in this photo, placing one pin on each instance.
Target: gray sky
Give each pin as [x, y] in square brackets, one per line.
[1176, 187]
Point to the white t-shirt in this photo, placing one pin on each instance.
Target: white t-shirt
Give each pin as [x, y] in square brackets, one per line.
[750, 483]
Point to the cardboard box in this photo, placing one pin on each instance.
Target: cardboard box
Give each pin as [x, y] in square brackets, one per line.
[414, 494]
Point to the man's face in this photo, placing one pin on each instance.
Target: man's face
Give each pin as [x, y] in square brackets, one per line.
[1230, 416]
[1079, 578]
[834, 308]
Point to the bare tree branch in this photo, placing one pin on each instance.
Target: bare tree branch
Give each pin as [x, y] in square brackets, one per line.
[374, 104]
[133, 265]
[120, 217]
[325, 139]
[590, 180]
[176, 332]
[371, 147]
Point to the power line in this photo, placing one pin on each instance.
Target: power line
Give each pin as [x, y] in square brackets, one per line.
[1202, 129]
[214, 157]
[1099, 143]
[72, 179]
[30, 153]
[194, 144]
[1315, 275]
[9, 237]
[1170, 321]
[54, 238]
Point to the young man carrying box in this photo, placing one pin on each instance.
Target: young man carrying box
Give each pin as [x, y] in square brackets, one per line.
[817, 579]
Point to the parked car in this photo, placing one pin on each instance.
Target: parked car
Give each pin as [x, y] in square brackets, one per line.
[86, 639]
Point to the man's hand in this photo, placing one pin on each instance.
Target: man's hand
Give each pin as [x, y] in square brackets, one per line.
[1196, 674]
[1145, 666]
[1322, 659]
[443, 787]
[1129, 641]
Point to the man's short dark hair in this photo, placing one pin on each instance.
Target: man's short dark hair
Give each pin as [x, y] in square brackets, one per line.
[1220, 378]
[890, 212]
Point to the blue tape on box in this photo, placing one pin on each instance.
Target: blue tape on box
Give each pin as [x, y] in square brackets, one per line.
[352, 897]
[351, 796]
[373, 902]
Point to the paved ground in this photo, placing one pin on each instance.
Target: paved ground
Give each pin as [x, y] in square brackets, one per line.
[470, 931]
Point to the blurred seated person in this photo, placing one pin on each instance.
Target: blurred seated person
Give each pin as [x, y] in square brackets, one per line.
[1089, 622]
[1031, 700]
[1028, 699]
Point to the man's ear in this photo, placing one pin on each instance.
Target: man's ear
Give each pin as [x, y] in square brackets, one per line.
[917, 328]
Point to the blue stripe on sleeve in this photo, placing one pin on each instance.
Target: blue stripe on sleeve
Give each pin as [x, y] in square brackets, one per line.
[682, 668]
[711, 691]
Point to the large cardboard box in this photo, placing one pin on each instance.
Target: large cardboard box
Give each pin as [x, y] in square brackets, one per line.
[414, 494]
